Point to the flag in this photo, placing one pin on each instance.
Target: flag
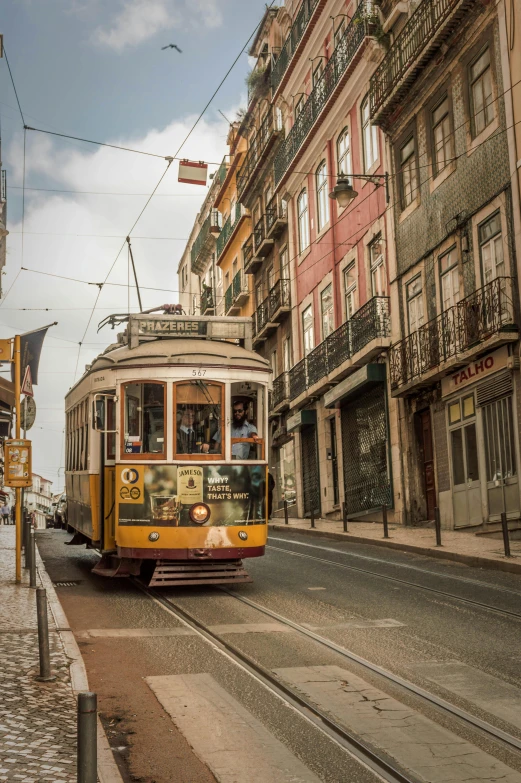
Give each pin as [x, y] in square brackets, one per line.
[30, 350]
[192, 173]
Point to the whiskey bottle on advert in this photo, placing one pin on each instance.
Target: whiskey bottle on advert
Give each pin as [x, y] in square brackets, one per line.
[190, 485]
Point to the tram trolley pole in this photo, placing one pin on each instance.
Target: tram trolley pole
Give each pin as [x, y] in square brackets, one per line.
[43, 636]
[506, 536]
[32, 559]
[286, 520]
[87, 753]
[384, 519]
[437, 525]
[344, 516]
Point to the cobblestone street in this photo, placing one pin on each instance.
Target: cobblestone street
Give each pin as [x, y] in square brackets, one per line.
[37, 720]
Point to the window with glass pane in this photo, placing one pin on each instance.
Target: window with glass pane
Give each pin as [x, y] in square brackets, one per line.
[458, 464]
[144, 418]
[299, 106]
[284, 264]
[408, 172]
[317, 73]
[343, 152]
[491, 248]
[267, 195]
[369, 136]
[481, 102]
[449, 279]
[326, 306]
[111, 425]
[287, 354]
[415, 304]
[442, 137]
[376, 259]
[303, 221]
[307, 330]
[271, 278]
[198, 418]
[322, 197]
[339, 32]
[258, 294]
[350, 291]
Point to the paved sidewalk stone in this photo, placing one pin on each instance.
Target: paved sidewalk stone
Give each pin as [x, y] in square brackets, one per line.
[37, 720]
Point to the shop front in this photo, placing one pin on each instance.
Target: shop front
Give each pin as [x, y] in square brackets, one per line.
[282, 467]
[305, 423]
[483, 439]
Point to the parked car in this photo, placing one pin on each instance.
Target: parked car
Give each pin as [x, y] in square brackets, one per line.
[60, 515]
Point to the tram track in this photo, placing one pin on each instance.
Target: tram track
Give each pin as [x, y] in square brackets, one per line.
[397, 580]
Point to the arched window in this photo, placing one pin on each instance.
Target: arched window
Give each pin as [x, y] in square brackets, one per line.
[303, 220]
[322, 202]
[343, 153]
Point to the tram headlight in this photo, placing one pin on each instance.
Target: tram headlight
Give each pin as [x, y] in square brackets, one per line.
[153, 536]
[243, 535]
[199, 513]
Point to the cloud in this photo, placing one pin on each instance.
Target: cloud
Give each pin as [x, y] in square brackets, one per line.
[55, 241]
[140, 20]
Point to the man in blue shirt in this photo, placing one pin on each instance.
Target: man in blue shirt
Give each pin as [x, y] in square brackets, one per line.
[241, 428]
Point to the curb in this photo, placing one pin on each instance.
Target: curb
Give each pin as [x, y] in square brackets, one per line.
[108, 771]
[443, 554]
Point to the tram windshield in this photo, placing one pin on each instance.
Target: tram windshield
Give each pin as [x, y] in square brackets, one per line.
[247, 421]
[198, 418]
[144, 405]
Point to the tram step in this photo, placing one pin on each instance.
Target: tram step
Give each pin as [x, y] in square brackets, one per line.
[167, 573]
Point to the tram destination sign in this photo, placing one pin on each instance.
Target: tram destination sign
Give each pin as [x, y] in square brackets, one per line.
[178, 327]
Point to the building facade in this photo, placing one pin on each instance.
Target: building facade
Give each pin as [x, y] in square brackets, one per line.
[38, 499]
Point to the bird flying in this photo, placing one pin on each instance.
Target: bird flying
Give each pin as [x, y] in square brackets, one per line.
[172, 46]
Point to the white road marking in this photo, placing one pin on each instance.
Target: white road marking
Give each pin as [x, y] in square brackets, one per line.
[226, 737]
[317, 588]
[139, 633]
[430, 751]
[384, 623]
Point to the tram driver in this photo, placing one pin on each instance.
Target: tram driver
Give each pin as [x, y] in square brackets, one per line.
[242, 429]
[190, 438]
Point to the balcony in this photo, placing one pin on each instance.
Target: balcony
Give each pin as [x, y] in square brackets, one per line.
[259, 148]
[262, 246]
[338, 68]
[205, 241]
[480, 322]
[229, 229]
[429, 26]
[271, 311]
[236, 294]
[280, 396]
[248, 257]
[276, 217]
[207, 301]
[281, 68]
[353, 344]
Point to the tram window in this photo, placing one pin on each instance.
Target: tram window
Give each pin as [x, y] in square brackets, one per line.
[198, 419]
[144, 414]
[247, 416]
[111, 425]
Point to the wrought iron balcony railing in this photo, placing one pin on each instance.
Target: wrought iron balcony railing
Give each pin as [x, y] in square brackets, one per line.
[280, 389]
[290, 44]
[258, 234]
[276, 214]
[207, 302]
[486, 312]
[408, 45]
[361, 25]
[222, 171]
[247, 251]
[261, 317]
[298, 379]
[202, 246]
[279, 296]
[256, 151]
[229, 228]
[3, 187]
[240, 286]
[370, 322]
[228, 298]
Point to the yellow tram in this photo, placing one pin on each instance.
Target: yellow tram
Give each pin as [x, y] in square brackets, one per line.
[166, 463]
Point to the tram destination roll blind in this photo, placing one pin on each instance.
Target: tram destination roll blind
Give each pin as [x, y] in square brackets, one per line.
[176, 327]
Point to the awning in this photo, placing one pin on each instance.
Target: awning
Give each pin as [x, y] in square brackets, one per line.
[362, 380]
[301, 419]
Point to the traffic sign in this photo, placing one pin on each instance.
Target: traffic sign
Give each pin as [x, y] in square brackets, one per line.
[27, 385]
[27, 413]
[6, 350]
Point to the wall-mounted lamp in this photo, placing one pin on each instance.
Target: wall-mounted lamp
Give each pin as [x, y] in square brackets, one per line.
[344, 193]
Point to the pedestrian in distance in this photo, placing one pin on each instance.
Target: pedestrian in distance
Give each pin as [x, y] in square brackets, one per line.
[5, 512]
[271, 487]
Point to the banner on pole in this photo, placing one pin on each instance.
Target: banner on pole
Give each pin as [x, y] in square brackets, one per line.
[192, 173]
[30, 350]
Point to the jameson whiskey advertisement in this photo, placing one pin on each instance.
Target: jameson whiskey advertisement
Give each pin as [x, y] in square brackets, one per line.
[162, 495]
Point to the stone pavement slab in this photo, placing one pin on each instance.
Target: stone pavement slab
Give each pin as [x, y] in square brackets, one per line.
[457, 545]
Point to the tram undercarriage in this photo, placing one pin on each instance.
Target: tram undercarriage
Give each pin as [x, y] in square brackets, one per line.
[169, 573]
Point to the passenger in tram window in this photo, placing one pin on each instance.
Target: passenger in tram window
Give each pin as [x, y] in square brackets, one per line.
[242, 428]
[190, 438]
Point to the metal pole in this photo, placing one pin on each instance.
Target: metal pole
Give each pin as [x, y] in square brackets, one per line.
[344, 515]
[87, 758]
[506, 539]
[32, 559]
[18, 491]
[312, 516]
[286, 521]
[437, 525]
[26, 533]
[43, 636]
[384, 516]
[135, 276]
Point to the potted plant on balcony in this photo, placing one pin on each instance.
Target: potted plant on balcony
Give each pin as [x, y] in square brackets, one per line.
[257, 82]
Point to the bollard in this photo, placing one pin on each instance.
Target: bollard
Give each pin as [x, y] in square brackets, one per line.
[25, 540]
[32, 559]
[506, 539]
[286, 521]
[437, 525]
[312, 517]
[43, 636]
[344, 515]
[384, 516]
[87, 756]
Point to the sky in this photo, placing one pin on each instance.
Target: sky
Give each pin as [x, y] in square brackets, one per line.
[95, 69]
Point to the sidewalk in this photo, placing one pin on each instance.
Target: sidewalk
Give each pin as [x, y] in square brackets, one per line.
[38, 720]
[459, 546]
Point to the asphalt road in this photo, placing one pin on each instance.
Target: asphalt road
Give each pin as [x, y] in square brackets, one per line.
[403, 612]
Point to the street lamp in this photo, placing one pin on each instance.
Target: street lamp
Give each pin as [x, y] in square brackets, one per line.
[344, 193]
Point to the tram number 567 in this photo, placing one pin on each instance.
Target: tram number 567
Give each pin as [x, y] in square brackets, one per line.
[199, 373]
